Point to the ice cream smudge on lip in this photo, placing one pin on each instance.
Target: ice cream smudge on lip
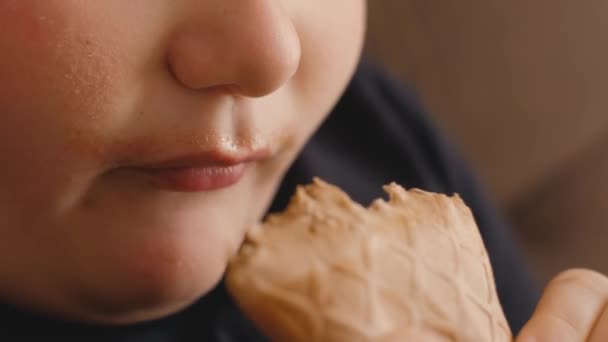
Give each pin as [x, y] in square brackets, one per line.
[413, 268]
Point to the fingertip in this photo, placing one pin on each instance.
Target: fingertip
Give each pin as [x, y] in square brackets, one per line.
[587, 279]
[547, 327]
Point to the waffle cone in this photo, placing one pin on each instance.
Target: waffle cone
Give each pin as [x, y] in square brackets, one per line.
[413, 268]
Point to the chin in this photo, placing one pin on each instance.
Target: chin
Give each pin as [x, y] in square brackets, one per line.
[150, 283]
[142, 257]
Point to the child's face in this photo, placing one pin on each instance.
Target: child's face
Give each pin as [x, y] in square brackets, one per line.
[111, 114]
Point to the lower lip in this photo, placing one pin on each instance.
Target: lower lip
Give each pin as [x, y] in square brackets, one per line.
[196, 179]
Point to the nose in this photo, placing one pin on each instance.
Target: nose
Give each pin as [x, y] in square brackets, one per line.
[247, 46]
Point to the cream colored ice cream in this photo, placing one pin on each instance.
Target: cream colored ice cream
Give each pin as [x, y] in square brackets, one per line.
[413, 268]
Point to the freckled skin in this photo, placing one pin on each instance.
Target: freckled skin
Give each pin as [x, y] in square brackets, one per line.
[89, 87]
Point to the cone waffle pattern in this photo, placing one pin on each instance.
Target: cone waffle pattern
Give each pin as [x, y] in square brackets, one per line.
[413, 268]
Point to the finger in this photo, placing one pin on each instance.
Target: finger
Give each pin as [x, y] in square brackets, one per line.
[568, 309]
[600, 330]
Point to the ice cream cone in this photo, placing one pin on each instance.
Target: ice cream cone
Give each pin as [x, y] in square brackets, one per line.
[413, 268]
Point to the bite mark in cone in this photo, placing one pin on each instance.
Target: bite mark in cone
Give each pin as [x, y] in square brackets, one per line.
[413, 268]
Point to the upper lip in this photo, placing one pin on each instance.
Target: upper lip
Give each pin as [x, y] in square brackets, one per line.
[210, 158]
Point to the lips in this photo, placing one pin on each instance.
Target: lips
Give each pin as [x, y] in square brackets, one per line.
[197, 178]
[198, 172]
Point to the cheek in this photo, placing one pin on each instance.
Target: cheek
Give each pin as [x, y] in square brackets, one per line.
[54, 85]
[331, 35]
[53, 70]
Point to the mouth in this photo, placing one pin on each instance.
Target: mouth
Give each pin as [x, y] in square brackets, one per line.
[200, 172]
[196, 178]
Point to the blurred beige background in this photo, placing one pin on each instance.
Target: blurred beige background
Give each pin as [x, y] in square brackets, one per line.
[520, 85]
